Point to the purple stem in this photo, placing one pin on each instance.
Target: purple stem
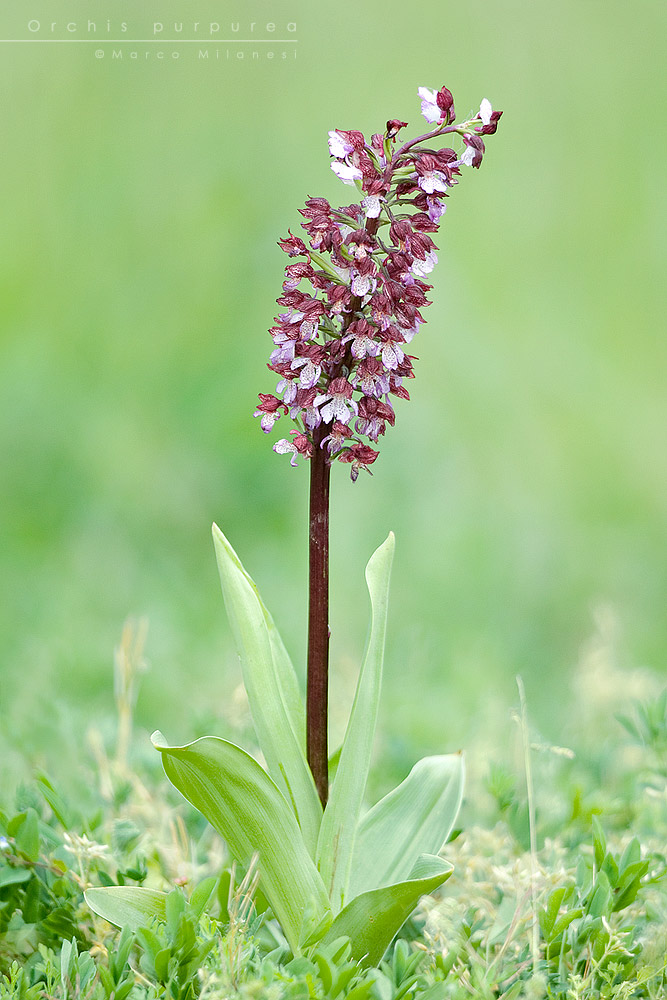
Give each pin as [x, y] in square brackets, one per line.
[317, 682]
[318, 618]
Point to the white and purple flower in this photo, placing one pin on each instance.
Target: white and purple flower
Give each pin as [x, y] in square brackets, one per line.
[339, 349]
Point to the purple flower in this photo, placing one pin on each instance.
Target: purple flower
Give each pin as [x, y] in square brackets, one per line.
[269, 410]
[336, 439]
[485, 111]
[488, 117]
[346, 172]
[360, 456]
[474, 151]
[299, 445]
[339, 144]
[363, 343]
[437, 105]
[372, 204]
[338, 402]
[351, 300]
[309, 374]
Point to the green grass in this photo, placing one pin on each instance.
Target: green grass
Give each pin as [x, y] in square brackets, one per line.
[560, 895]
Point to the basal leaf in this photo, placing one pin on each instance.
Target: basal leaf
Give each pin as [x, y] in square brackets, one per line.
[415, 818]
[372, 919]
[273, 691]
[337, 832]
[248, 810]
[127, 905]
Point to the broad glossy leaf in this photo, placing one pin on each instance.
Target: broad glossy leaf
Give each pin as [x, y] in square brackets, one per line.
[372, 919]
[337, 832]
[249, 811]
[127, 905]
[273, 690]
[415, 818]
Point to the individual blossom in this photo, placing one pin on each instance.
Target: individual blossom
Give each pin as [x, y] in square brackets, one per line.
[437, 105]
[337, 437]
[360, 456]
[299, 445]
[337, 403]
[269, 410]
[356, 285]
[474, 151]
[488, 117]
[373, 415]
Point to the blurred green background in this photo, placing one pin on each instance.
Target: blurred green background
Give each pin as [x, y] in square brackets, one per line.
[525, 481]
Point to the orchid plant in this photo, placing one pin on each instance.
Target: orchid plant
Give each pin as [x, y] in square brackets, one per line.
[327, 868]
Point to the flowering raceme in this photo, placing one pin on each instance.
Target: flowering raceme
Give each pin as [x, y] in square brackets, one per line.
[340, 346]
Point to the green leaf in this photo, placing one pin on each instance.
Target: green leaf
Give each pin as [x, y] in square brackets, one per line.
[631, 855]
[599, 904]
[55, 801]
[565, 920]
[599, 842]
[127, 905]
[549, 914]
[336, 841]
[273, 690]
[202, 894]
[248, 810]
[14, 876]
[415, 818]
[27, 835]
[174, 909]
[372, 919]
[629, 884]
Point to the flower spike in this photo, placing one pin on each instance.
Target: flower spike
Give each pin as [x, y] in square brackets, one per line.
[353, 300]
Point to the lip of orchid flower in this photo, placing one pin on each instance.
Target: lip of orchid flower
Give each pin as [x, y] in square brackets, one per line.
[346, 172]
[421, 268]
[436, 208]
[431, 181]
[430, 109]
[372, 204]
[339, 145]
[336, 438]
[309, 374]
[337, 403]
[299, 445]
[485, 111]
